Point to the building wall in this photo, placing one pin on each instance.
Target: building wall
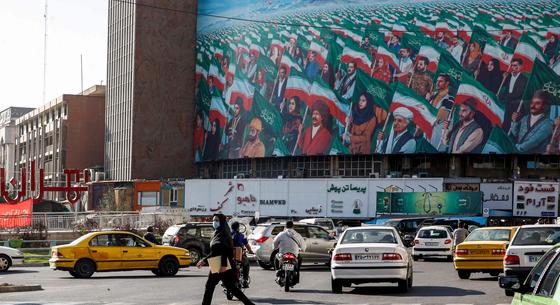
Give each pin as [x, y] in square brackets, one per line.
[120, 83]
[84, 141]
[163, 90]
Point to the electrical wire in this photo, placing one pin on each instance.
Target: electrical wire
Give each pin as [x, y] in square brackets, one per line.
[300, 24]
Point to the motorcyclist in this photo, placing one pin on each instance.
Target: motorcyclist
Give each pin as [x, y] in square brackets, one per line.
[289, 241]
[239, 240]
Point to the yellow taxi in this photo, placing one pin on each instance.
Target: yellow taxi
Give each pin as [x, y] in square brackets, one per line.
[483, 251]
[117, 251]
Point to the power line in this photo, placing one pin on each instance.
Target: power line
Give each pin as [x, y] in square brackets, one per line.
[301, 24]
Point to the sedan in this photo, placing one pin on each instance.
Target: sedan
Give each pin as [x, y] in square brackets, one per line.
[117, 251]
[370, 255]
[9, 257]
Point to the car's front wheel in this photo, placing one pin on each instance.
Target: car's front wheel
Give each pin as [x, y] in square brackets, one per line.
[336, 285]
[196, 255]
[168, 266]
[84, 268]
[5, 263]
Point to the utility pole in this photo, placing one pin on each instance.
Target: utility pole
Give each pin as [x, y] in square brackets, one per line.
[82, 74]
[45, 54]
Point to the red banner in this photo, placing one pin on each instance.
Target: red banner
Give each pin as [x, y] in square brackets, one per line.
[16, 215]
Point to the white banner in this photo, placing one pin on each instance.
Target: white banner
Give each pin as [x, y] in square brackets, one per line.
[497, 196]
[274, 197]
[535, 199]
[247, 194]
[307, 198]
[347, 197]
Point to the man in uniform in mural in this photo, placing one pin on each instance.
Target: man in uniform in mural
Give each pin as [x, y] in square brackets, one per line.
[443, 102]
[345, 84]
[234, 130]
[254, 148]
[421, 82]
[400, 140]
[467, 135]
[533, 131]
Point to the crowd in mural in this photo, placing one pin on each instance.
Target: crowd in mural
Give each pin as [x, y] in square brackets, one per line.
[463, 78]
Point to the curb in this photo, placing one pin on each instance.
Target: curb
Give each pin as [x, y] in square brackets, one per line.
[20, 288]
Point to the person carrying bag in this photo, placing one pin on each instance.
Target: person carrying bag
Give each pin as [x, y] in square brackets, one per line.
[220, 260]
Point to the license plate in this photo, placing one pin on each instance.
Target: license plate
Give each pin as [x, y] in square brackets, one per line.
[288, 267]
[431, 244]
[479, 252]
[534, 258]
[366, 257]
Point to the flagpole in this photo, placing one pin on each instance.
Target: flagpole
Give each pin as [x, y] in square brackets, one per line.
[374, 66]
[411, 76]
[348, 121]
[518, 109]
[449, 118]
[503, 80]
[299, 133]
[274, 88]
[384, 127]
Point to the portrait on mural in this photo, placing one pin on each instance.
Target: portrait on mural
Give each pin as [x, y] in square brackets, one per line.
[364, 77]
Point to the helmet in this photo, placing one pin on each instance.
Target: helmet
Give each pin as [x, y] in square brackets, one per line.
[256, 124]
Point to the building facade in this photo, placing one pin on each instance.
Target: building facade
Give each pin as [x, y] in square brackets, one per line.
[62, 134]
[149, 101]
[8, 132]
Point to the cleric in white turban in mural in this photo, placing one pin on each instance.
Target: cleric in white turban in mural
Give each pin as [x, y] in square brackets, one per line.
[399, 140]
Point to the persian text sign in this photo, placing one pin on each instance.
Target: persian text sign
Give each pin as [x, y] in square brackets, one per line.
[535, 199]
[16, 215]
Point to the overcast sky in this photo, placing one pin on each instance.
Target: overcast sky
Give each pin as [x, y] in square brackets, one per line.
[74, 27]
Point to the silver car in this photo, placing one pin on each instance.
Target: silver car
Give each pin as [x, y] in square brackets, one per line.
[318, 241]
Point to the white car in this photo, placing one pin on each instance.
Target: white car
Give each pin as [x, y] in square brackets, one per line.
[527, 246]
[433, 241]
[370, 255]
[10, 257]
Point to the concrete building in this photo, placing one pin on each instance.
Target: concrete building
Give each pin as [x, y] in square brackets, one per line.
[8, 132]
[150, 89]
[65, 133]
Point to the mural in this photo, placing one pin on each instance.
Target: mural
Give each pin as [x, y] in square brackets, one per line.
[307, 77]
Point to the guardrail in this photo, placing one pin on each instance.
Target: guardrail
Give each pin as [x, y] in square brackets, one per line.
[36, 249]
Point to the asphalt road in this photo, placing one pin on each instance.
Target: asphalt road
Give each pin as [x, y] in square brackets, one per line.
[435, 282]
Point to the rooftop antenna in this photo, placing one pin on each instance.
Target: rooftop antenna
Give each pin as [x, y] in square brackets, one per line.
[45, 54]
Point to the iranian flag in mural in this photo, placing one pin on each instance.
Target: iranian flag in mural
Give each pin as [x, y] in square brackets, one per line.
[351, 53]
[426, 27]
[338, 106]
[348, 33]
[389, 57]
[493, 50]
[424, 114]
[528, 51]
[218, 110]
[432, 55]
[217, 74]
[486, 101]
[298, 85]
[320, 52]
[243, 89]
[445, 28]
[288, 63]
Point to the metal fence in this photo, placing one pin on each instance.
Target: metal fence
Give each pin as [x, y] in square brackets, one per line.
[98, 220]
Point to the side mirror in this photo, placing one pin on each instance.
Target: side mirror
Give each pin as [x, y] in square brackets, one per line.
[511, 282]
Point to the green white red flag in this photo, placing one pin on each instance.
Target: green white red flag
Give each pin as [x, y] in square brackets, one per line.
[424, 114]
[486, 101]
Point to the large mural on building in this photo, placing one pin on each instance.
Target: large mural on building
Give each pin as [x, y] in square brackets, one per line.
[307, 77]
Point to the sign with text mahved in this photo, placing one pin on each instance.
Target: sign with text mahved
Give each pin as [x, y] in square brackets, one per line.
[535, 199]
[429, 203]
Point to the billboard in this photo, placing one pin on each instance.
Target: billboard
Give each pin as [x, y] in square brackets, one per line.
[429, 203]
[496, 196]
[535, 199]
[301, 198]
[287, 77]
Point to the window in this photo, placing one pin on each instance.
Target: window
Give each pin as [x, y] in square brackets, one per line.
[489, 235]
[549, 280]
[537, 236]
[382, 236]
[431, 233]
[174, 195]
[207, 232]
[277, 230]
[302, 230]
[99, 241]
[187, 233]
[315, 232]
[537, 271]
[148, 198]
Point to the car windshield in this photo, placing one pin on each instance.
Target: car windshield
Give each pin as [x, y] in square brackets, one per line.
[489, 235]
[392, 223]
[383, 236]
[432, 233]
[80, 239]
[538, 236]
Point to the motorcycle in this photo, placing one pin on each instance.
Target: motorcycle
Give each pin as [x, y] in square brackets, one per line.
[238, 280]
[286, 274]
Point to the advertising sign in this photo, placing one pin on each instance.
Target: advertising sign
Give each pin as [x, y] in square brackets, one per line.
[291, 77]
[347, 197]
[16, 215]
[273, 200]
[535, 199]
[307, 198]
[430, 203]
[462, 187]
[497, 196]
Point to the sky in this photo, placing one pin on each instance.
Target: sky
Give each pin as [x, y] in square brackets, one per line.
[74, 27]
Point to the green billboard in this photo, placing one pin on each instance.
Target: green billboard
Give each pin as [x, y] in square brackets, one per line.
[429, 203]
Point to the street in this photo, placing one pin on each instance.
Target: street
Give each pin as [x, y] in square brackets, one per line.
[435, 282]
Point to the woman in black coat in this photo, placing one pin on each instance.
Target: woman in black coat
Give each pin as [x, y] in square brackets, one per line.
[221, 245]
